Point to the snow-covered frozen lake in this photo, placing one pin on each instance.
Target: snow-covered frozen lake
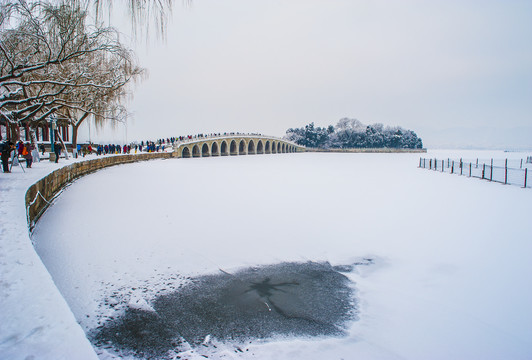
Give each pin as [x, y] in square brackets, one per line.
[437, 265]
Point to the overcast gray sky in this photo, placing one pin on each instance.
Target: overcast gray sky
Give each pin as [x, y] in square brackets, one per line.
[459, 73]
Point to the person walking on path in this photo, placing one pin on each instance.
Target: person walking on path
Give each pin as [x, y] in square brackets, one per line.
[26, 154]
[20, 147]
[6, 153]
[34, 151]
[57, 151]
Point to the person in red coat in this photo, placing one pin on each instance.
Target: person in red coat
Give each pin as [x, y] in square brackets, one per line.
[26, 153]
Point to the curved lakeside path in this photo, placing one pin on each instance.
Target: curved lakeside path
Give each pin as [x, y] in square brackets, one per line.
[35, 321]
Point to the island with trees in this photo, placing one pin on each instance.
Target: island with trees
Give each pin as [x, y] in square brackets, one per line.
[353, 134]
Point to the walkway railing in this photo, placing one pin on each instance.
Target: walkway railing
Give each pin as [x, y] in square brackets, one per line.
[511, 172]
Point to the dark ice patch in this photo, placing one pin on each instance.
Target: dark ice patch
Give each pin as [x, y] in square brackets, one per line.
[288, 299]
[140, 333]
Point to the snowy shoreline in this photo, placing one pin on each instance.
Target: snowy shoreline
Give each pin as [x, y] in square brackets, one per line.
[35, 318]
[35, 322]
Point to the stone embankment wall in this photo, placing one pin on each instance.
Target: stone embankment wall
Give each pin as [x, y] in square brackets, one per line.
[368, 150]
[40, 195]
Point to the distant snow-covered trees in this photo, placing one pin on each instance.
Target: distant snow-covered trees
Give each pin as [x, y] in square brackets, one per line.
[351, 133]
[311, 136]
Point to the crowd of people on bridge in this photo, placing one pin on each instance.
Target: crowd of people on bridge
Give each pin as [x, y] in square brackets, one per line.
[150, 145]
[203, 136]
[160, 144]
[11, 152]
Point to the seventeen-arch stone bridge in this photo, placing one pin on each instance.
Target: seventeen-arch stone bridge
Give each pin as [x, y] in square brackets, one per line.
[239, 144]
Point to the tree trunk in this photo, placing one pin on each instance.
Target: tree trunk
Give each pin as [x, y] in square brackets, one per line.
[12, 133]
[75, 135]
[33, 137]
[75, 126]
[63, 143]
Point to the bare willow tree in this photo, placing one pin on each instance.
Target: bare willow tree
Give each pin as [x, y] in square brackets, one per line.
[103, 104]
[52, 60]
[144, 14]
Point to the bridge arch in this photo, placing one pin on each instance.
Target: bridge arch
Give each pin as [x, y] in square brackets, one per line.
[267, 149]
[278, 147]
[196, 151]
[186, 152]
[223, 148]
[233, 149]
[205, 150]
[242, 148]
[251, 147]
[274, 147]
[283, 148]
[260, 147]
[214, 149]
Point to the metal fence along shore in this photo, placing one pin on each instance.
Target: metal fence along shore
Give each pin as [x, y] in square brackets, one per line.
[504, 171]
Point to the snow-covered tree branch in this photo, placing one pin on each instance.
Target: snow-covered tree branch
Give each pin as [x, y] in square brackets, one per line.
[52, 59]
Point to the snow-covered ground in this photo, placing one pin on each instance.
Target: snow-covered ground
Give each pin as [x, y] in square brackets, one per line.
[35, 320]
[451, 255]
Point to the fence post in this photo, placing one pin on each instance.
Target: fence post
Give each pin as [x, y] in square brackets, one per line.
[469, 169]
[477, 164]
[452, 167]
[526, 173]
[483, 170]
[506, 172]
[461, 167]
[491, 171]
[442, 165]
[430, 164]
[521, 164]
[420, 162]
